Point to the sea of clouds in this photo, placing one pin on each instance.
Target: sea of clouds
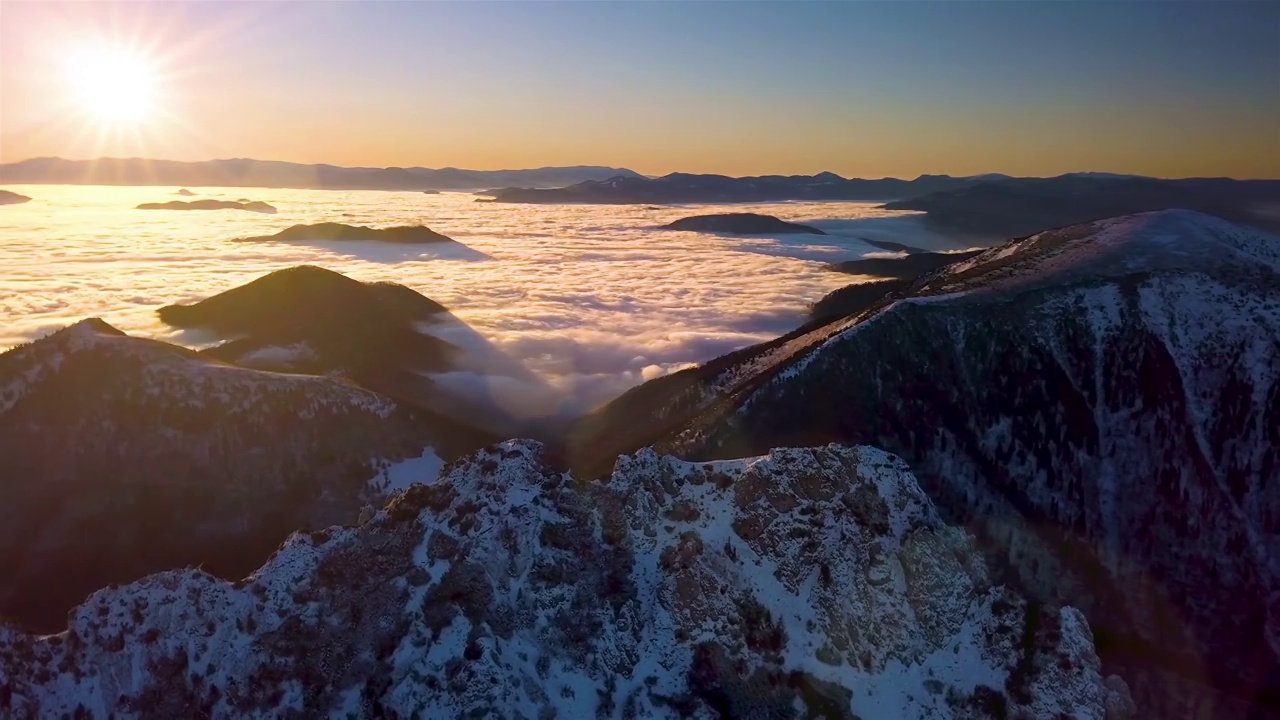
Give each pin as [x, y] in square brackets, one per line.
[591, 299]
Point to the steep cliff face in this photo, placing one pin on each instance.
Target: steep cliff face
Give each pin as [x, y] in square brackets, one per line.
[123, 456]
[805, 583]
[1100, 403]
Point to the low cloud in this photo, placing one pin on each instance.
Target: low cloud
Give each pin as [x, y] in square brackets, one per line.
[571, 304]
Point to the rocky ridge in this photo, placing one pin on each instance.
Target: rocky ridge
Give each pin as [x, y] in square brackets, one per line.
[808, 582]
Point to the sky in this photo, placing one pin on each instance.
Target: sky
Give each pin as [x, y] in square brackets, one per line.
[859, 88]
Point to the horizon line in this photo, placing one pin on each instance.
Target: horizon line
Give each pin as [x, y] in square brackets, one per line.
[621, 168]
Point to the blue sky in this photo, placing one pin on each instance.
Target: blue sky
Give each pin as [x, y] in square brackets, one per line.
[871, 89]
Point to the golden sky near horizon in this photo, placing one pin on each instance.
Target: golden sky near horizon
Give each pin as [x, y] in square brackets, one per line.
[531, 85]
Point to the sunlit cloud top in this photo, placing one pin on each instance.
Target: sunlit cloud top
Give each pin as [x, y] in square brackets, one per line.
[863, 89]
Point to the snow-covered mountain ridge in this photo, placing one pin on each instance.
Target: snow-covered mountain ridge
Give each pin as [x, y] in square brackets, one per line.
[805, 583]
[1169, 240]
[1099, 403]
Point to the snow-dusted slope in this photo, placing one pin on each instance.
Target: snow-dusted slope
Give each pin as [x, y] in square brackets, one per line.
[809, 582]
[121, 456]
[1101, 401]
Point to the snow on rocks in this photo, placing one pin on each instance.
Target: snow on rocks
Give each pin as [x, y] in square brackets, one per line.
[804, 581]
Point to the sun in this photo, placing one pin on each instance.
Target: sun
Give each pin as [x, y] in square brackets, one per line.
[113, 85]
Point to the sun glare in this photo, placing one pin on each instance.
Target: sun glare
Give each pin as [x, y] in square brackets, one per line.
[113, 85]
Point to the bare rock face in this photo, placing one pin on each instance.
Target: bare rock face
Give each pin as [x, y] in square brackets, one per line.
[806, 582]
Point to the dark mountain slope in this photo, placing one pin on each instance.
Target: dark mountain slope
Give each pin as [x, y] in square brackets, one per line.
[901, 268]
[311, 320]
[308, 319]
[808, 583]
[1100, 403]
[852, 299]
[123, 456]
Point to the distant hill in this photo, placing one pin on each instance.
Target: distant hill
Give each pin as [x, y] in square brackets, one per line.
[331, 231]
[243, 172]
[252, 206]
[314, 321]
[740, 224]
[12, 198]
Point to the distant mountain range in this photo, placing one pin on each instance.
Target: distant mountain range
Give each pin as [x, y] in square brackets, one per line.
[689, 188]
[1021, 206]
[982, 205]
[243, 172]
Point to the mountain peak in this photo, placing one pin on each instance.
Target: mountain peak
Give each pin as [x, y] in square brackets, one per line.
[94, 325]
[78, 335]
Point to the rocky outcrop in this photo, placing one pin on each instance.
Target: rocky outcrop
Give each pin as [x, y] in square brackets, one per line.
[330, 231]
[253, 205]
[1098, 402]
[806, 583]
[740, 224]
[124, 456]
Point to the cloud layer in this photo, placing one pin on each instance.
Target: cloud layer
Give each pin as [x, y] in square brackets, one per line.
[591, 299]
